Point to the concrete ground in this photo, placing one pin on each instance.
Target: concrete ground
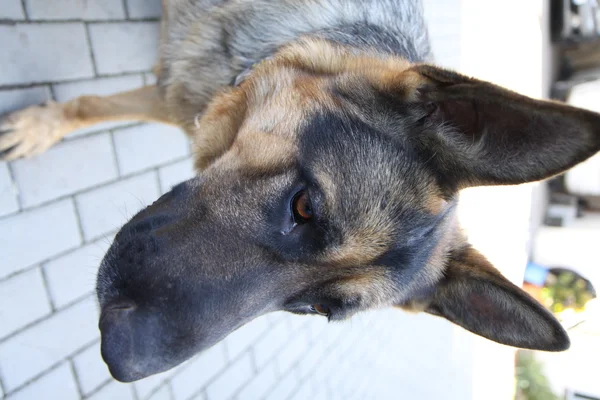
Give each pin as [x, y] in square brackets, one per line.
[59, 211]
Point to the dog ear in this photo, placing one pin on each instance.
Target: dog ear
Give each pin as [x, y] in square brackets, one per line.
[477, 133]
[216, 131]
[474, 295]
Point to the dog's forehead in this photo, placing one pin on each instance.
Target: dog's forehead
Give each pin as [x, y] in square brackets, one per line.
[279, 105]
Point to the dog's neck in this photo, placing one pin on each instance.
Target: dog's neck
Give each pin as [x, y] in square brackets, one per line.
[357, 37]
[249, 66]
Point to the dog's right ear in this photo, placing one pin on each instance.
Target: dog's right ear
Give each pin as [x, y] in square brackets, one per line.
[216, 131]
[474, 295]
[477, 133]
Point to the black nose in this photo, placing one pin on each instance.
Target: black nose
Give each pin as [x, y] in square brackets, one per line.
[117, 322]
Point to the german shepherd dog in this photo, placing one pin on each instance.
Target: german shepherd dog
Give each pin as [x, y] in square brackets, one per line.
[329, 155]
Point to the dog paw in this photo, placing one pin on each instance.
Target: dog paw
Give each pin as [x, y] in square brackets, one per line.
[32, 130]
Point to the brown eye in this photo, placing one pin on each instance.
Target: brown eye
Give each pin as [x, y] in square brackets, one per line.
[320, 309]
[301, 208]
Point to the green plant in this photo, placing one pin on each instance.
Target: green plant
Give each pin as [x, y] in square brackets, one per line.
[531, 383]
[564, 290]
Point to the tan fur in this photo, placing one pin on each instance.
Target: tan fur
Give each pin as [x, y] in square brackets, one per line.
[320, 57]
[216, 131]
[35, 129]
[373, 286]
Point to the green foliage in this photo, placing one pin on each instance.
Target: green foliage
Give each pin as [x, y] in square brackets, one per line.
[531, 382]
[566, 290]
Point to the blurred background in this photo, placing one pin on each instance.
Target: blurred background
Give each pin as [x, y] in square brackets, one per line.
[59, 212]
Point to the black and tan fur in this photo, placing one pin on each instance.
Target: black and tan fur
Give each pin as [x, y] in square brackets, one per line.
[336, 101]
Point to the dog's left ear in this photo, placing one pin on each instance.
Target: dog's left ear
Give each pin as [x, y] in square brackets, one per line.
[477, 133]
[474, 295]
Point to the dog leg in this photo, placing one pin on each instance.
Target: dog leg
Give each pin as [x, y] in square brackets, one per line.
[34, 129]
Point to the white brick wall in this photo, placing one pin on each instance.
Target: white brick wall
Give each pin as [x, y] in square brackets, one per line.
[39, 47]
[29, 353]
[50, 176]
[124, 46]
[105, 209]
[58, 384]
[90, 370]
[33, 236]
[144, 146]
[75, 9]
[260, 383]
[8, 192]
[59, 211]
[73, 275]
[173, 174]
[232, 379]
[15, 99]
[12, 10]
[143, 8]
[114, 390]
[27, 295]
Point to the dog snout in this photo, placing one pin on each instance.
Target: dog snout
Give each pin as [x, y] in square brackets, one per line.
[117, 348]
[117, 309]
[127, 344]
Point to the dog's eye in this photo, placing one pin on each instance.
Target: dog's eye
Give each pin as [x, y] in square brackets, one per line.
[301, 207]
[320, 309]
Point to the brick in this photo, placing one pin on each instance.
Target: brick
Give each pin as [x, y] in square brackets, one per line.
[22, 300]
[57, 384]
[343, 375]
[292, 352]
[270, 343]
[91, 370]
[284, 388]
[328, 364]
[75, 9]
[148, 385]
[105, 209]
[260, 384]
[144, 8]
[311, 359]
[73, 275]
[8, 192]
[300, 321]
[124, 46]
[38, 47]
[113, 391]
[199, 372]
[334, 331]
[276, 317]
[33, 236]
[100, 87]
[241, 339]
[144, 146]
[231, 380]
[161, 394]
[322, 394]
[316, 328]
[304, 392]
[199, 396]
[15, 99]
[173, 174]
[36, 349]
[65, 169]
[11, 9]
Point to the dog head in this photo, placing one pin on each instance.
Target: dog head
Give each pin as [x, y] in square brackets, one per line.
[327, 185]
